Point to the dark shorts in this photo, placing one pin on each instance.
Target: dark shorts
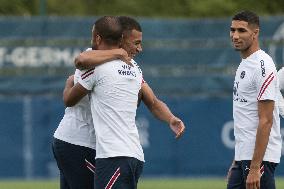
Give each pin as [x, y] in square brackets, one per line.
[117, 173]
[240, 170]
[76, 164]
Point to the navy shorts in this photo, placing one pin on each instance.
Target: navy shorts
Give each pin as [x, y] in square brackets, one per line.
[117, 173]
[240, 170]
[76, 164]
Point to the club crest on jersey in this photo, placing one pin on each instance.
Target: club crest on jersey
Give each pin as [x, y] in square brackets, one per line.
[242, 74]
[262, 68]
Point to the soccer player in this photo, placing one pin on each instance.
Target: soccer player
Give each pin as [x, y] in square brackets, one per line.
[132, 43]
[74, 141]
[74, 145]
[114, 88]
[255, 109]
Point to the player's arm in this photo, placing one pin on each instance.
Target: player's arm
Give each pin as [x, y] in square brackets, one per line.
[160, 110]
[93, 58]
[265, 113]
[72, 94]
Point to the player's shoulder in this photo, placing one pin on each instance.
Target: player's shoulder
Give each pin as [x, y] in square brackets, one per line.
[135, 64]
[281, 71]
[265, 66]
[77, 75]
[262, 62]
[263, 58]
[78, 72]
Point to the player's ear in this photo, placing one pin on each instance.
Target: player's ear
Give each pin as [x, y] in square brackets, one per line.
[256, 33]
[98, 39]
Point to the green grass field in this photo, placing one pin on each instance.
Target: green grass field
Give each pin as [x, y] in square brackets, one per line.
[191, 183]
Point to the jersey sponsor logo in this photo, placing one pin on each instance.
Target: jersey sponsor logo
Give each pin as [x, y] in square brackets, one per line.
[243, 74]
[126, 70]
[262, 68]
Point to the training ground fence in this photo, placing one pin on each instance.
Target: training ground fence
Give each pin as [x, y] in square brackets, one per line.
[188, 63]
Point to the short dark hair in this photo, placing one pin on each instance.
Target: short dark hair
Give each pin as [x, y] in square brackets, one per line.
[250, 17]
[110, 29]
[128, 24]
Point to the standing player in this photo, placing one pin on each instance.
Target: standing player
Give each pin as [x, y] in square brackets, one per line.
[114, 88]
[255, 109]
[132, 43]
[74, 145]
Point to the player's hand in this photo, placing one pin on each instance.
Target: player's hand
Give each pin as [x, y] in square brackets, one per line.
[177, 126]
[122, 55]
[70, 81]
[253, 179]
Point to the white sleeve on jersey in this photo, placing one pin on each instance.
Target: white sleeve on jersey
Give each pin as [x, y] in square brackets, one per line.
[266, 81]
[87, 79]
[78, 72]
[281, 104]
[281, 78]
[77, 75]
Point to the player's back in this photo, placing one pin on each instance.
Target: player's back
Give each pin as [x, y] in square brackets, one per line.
[117, 85]
[114, 103]
[76, 126]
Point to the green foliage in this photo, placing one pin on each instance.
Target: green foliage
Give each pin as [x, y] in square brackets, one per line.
[19, 7]
[142, 8]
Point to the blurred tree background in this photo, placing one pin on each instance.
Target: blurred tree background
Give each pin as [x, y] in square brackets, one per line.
[142, 8]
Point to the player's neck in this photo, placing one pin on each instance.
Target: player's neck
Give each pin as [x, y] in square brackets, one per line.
[249, 51]
[104, 46]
